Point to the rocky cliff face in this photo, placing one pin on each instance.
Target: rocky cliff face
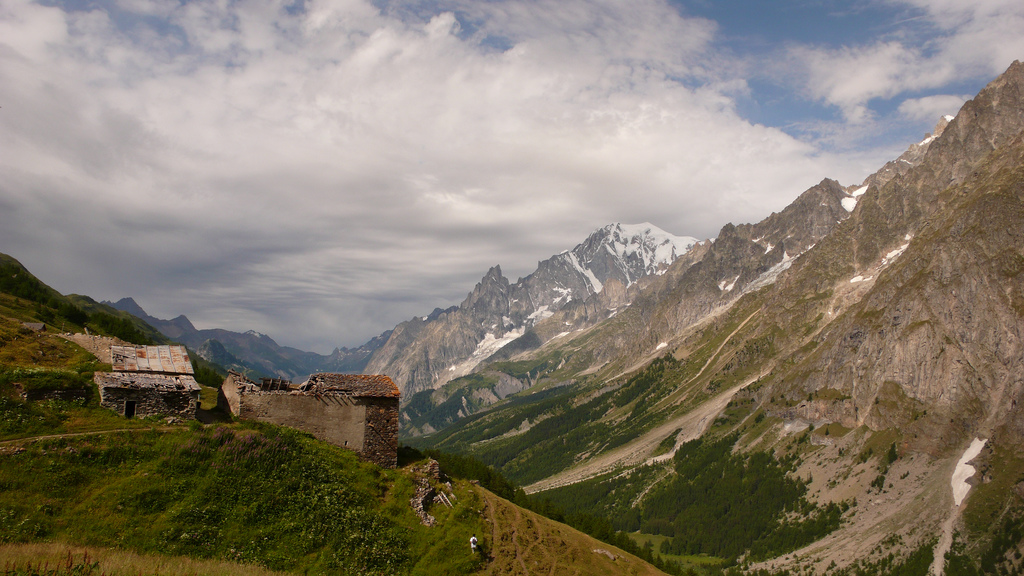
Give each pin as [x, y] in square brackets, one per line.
[654, 310]
[928, 298]
[844, 234]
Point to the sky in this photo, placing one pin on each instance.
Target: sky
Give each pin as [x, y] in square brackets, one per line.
[322, 170]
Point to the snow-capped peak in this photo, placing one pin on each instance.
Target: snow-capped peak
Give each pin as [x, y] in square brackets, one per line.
[655, 247]
[625, 252]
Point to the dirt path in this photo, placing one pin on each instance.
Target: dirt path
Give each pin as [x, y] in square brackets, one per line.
[515, 539]
[640, 497]
[938, 567]
[98, 346]
[74, 434]
[489, 507]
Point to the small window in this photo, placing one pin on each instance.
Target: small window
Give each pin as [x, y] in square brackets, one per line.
[129, 408]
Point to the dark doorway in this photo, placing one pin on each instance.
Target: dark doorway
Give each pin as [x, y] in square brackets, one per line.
[129, 408]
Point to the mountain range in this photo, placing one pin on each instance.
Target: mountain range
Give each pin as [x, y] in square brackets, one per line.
[869, 333]
[252, 352]
[425, 352]
[834, 389]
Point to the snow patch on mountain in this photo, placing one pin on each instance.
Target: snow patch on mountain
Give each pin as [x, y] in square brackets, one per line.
[564, 295]
[501, 312]
[540, 314]
[770, 275]
[726, 285]
[488, 346]
[636, 249]
[894, 254]
[849, 203]
[964, 471]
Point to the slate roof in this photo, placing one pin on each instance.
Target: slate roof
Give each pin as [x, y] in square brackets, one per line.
[142, 381]
[368, 385]
[154, 359]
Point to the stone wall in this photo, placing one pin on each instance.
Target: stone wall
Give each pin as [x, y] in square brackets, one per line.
[366, 425]
[337, 419]
[149, 402]
[381, 441]
[227, 396]
[357, 412]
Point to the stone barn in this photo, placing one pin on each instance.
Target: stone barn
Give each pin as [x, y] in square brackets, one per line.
[355, 411]
[149, 381]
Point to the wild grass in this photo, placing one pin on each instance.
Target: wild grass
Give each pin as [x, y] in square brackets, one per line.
[207, 397]
[21, 347]
[60, 559]
[244, 493]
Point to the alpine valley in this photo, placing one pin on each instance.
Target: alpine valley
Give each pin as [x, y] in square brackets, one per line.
[836, 389]
[803, 393]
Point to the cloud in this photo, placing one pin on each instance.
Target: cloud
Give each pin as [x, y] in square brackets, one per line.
[320, 173]
[952, 41]
[850, 78]
[930, 108]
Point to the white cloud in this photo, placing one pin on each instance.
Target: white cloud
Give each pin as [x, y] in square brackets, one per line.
[957, 40]
[930, 108]
[850, 78]
[321, 175]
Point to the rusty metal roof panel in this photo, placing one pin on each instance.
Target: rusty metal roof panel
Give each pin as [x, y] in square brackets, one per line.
[155, 359]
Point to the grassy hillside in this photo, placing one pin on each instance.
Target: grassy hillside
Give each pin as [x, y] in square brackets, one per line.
[130, 496]
[266, 496]
[24, 297]
[250, 494]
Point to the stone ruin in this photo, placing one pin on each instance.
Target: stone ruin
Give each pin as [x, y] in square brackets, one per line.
[354, 411]
[426, 495]
[149, 381]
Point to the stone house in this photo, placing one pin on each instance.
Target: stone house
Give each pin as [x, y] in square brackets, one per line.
[149, 381]
[354, 411]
